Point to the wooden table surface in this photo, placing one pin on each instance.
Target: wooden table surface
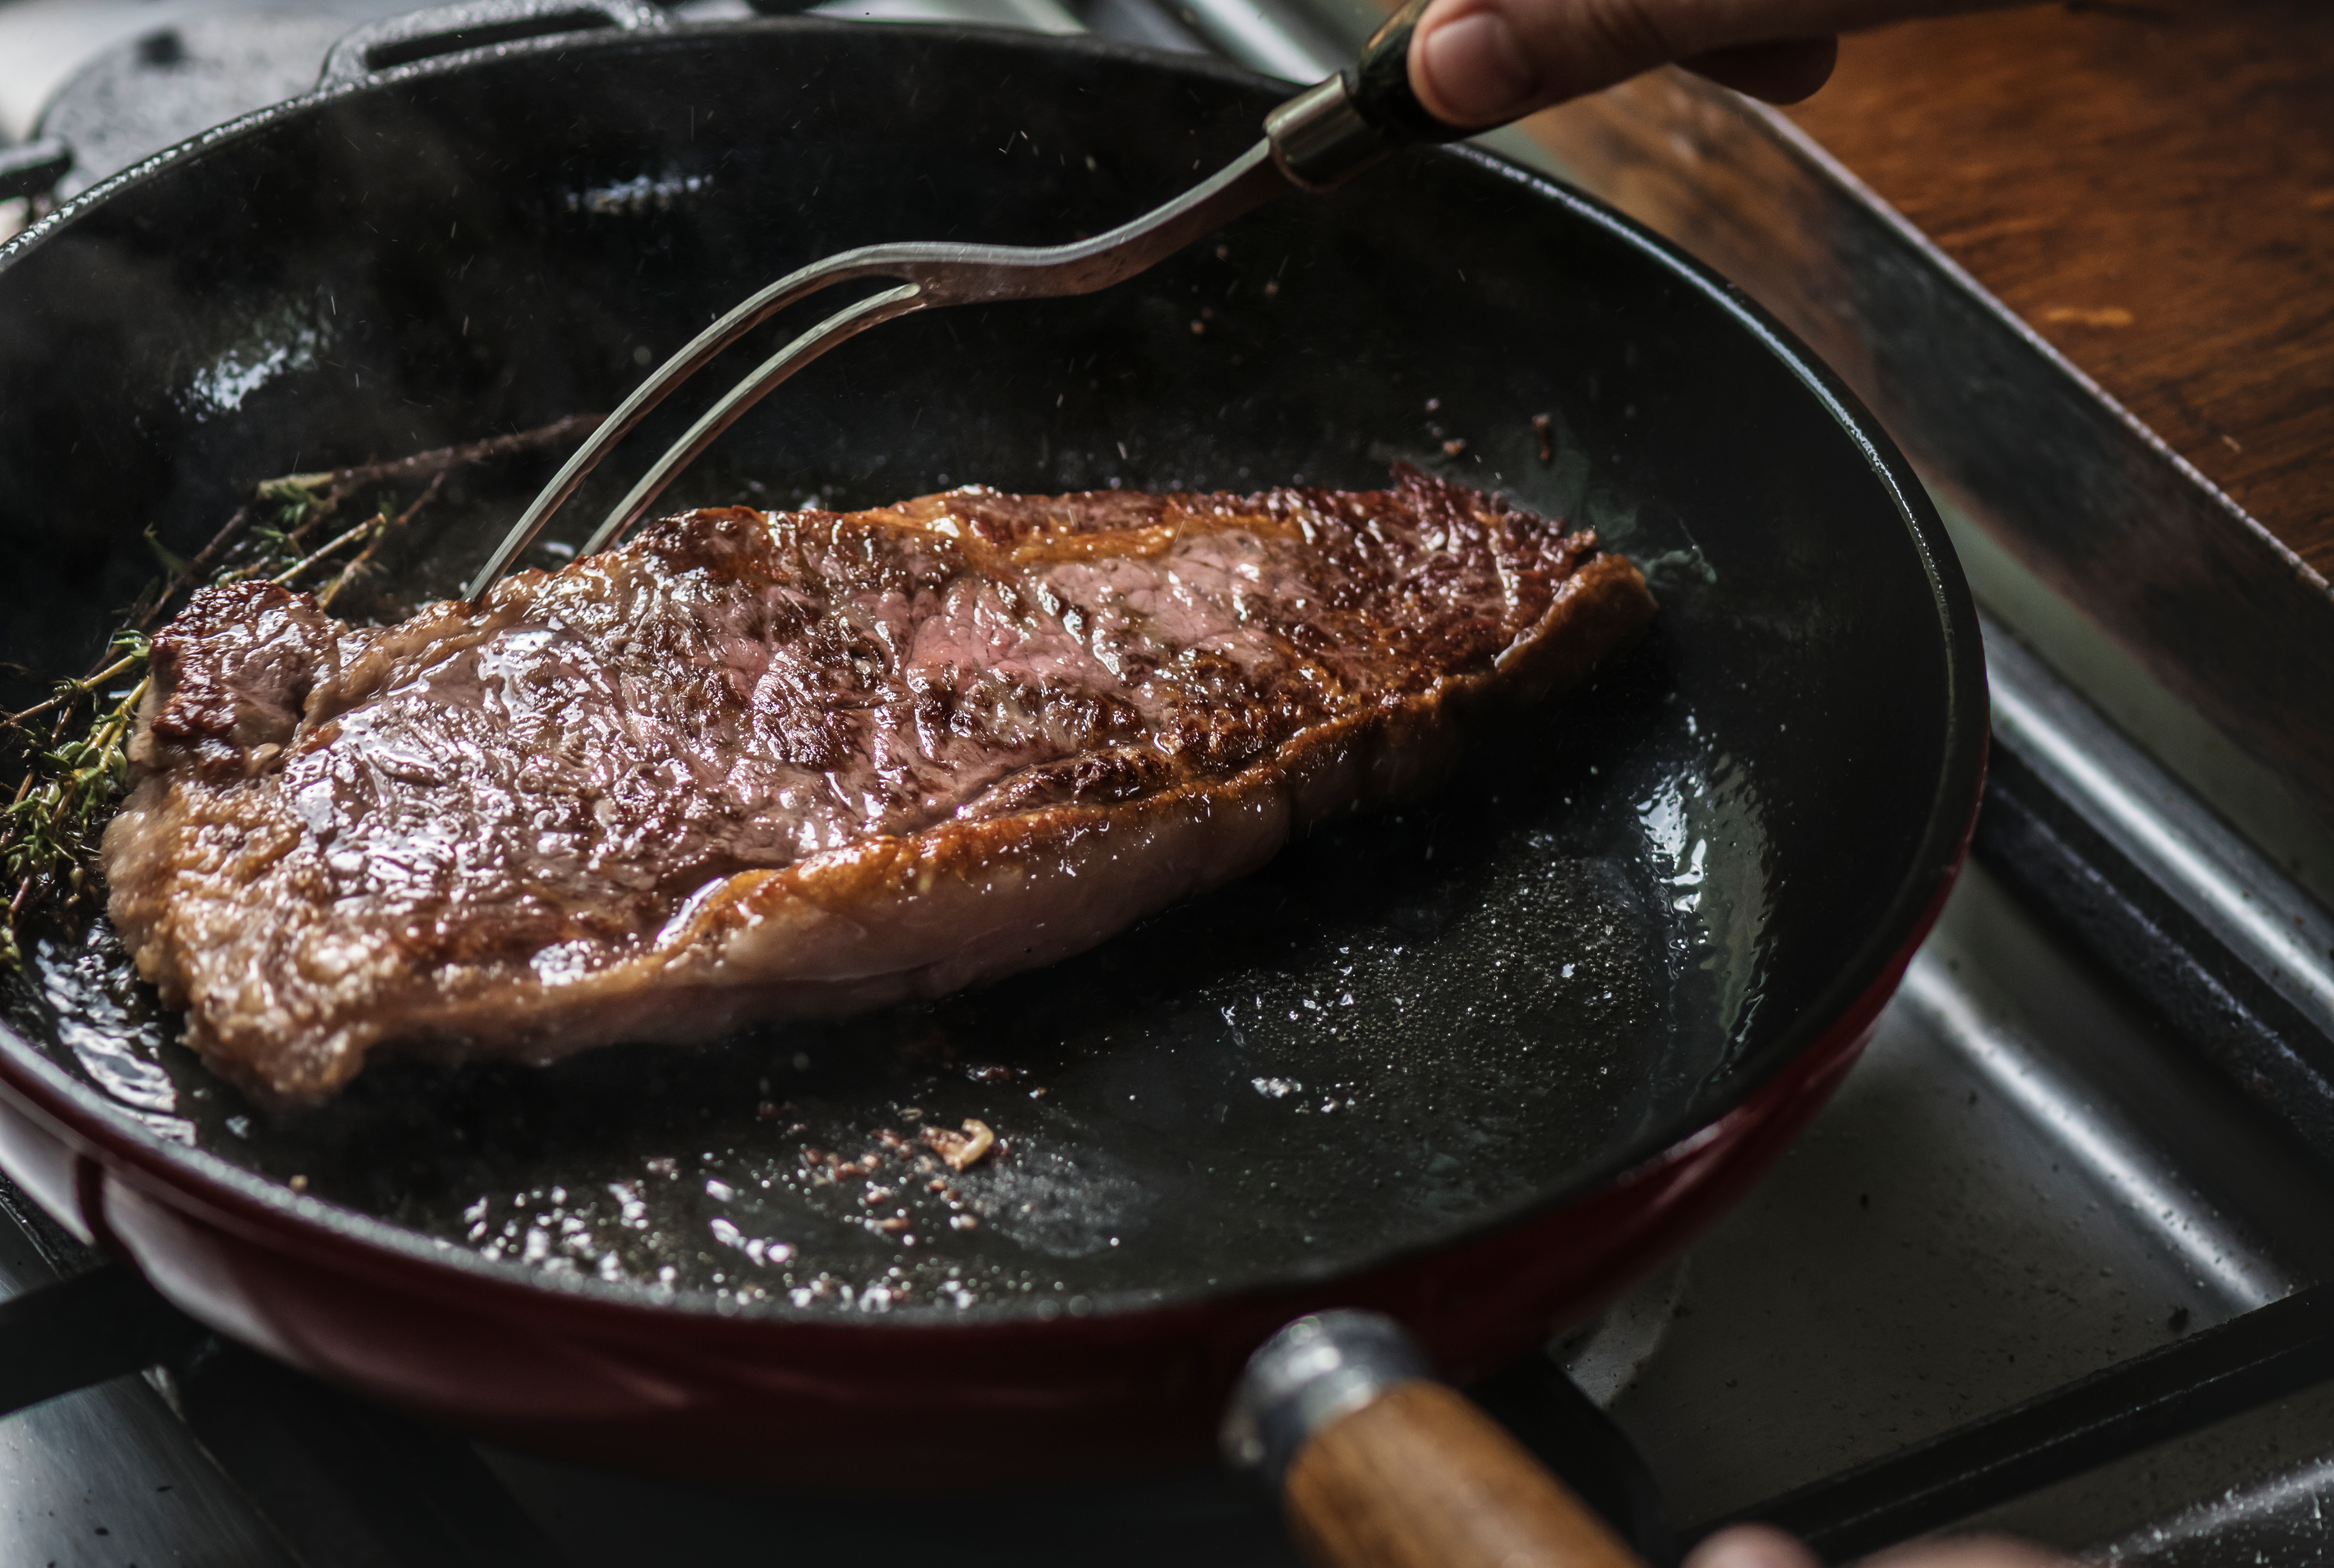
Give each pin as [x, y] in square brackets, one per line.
[1985, 223]
[2150, 185]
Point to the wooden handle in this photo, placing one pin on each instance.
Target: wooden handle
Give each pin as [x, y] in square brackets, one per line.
[1419, 1478]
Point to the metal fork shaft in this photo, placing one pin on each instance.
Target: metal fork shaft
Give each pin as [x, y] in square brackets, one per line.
[1315, 142]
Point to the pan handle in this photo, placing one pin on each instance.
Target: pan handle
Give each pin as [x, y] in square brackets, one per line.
[394, 40]
[33, 169]
[84, 1331]
[1379, 1465]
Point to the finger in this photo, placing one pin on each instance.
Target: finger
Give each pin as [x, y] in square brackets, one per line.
[1479, 63]
[1751, 1546]
[1968, 1552]
[1782, 71]
[1468, 67]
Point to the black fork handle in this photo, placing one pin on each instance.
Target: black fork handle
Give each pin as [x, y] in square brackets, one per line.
[1379, 84]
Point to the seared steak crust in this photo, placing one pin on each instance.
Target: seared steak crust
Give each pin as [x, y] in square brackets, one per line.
[802, 763]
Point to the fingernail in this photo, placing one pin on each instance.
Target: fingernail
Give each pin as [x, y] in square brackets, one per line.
[1477, 69]
[1752, 1553]
[1750, 1546]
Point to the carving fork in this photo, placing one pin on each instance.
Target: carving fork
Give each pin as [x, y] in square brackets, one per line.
[1316, 141]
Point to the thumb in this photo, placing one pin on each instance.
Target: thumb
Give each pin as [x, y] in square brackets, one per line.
[1480, 63]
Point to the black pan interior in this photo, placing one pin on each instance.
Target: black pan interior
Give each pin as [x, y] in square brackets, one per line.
[1623, 912]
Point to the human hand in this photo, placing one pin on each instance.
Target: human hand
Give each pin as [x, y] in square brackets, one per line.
[1760, 1546]
[1488, 62]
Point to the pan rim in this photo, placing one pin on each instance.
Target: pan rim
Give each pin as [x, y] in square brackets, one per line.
[195, 1179]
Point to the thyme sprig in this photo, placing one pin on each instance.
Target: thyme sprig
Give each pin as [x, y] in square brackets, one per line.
[70, 752]
[48, 830]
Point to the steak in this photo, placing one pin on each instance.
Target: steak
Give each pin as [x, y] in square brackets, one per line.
[754, 765]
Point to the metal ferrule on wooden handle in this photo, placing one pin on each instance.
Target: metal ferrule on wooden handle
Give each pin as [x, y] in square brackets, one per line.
[1379, 1465]
[1333, 130]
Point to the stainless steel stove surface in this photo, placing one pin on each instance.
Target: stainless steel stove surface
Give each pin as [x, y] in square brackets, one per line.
[2020, 1183]
[2034, 1174]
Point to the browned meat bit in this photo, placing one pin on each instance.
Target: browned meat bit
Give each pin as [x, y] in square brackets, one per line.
[1544, 432]
[961, 1150]
[766, 1111]
[875, 1195]
[802, 764]
[989, 1073]
[892, 1141]
[963, 1222]
[937, 1184]
[894, 1223]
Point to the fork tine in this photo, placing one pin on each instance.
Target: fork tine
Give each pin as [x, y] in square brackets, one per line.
[847, 322]
[957, 274]
[872, 261]
[935, 274]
